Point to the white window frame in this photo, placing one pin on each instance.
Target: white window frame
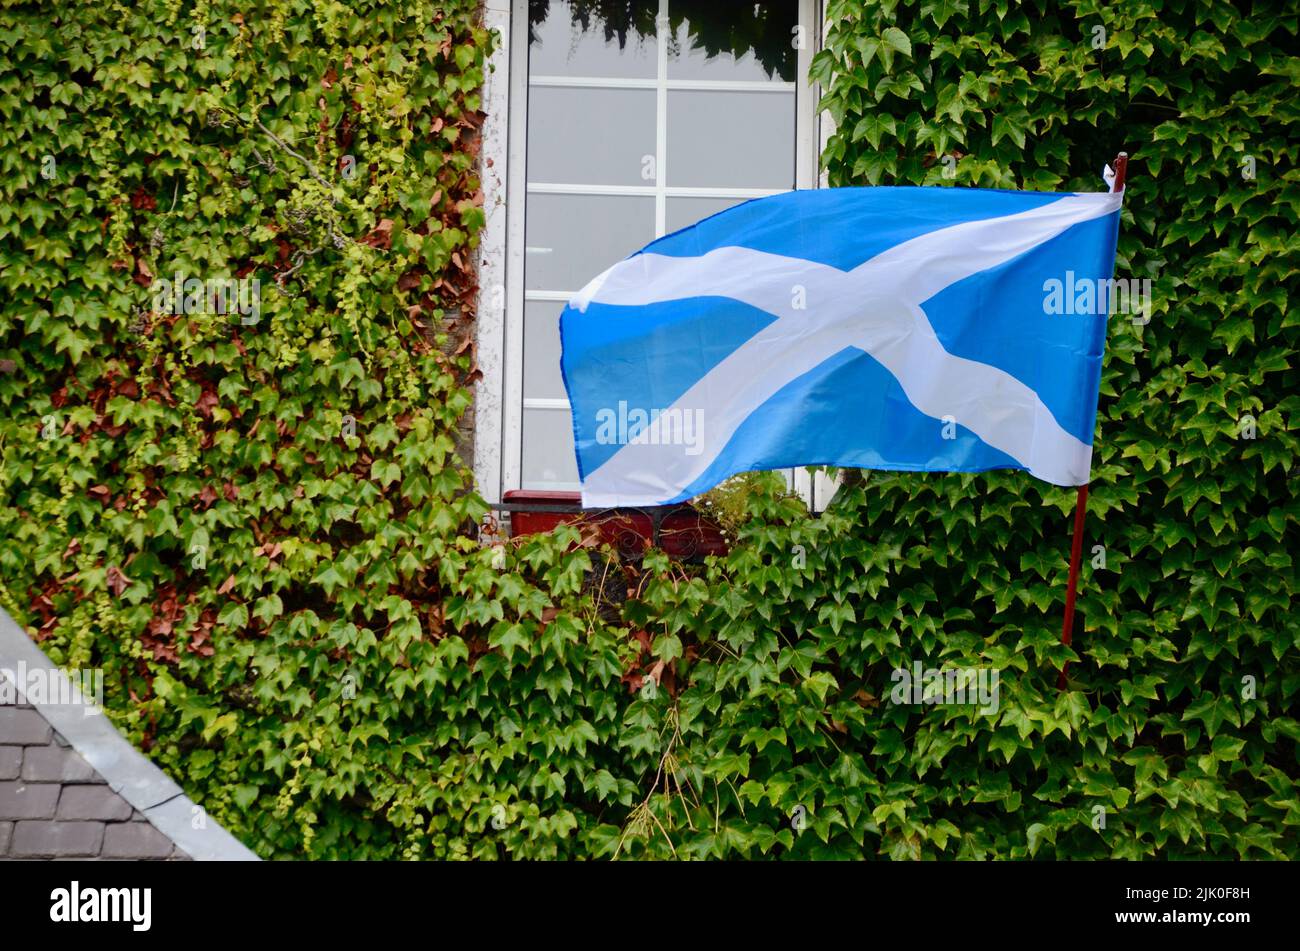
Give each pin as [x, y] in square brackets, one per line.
[499, 401]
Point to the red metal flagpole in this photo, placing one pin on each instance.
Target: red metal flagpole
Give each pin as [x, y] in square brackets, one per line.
[1081, 501]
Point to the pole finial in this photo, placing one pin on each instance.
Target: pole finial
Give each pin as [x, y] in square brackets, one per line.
[1120, 166]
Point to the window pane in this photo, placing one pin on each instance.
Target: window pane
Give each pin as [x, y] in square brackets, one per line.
[542, 350]
[617, 42]
[592, 136]
[730, 40]
[549, 461]
[572, 238]
[687, 211]
[731, 139]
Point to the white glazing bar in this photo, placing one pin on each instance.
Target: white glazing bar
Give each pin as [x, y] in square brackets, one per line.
[699, 85]
[593, 82]
[805, 164]
[512, 399]
[679, 191]
[662, 36]
[582, 188]
[821, 125]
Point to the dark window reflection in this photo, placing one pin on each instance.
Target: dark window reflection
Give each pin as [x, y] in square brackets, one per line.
[585, 38]
[708, 38]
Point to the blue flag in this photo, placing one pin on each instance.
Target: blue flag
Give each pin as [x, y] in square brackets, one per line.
[934, 329]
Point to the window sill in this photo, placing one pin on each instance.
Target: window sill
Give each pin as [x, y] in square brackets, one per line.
[678, 530]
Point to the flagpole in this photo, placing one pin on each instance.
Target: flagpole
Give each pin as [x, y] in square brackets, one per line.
[1081, 499]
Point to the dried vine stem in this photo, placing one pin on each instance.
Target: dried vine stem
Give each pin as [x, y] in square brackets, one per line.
[283, 146]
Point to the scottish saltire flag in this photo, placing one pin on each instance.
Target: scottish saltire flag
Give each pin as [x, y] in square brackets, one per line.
[874, 328]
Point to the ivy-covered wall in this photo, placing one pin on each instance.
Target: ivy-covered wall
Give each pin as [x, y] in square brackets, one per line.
[256, 521]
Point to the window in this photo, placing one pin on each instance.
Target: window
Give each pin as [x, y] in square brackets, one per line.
[630, 120]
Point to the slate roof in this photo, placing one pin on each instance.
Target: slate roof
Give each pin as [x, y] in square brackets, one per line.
[71, 787]
[54, 805]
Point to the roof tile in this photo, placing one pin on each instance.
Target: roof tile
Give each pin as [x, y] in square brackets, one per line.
[19, 800]
[39, 839]
[93, 802]
[19, 727]
[51, 764]
[135, 840]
